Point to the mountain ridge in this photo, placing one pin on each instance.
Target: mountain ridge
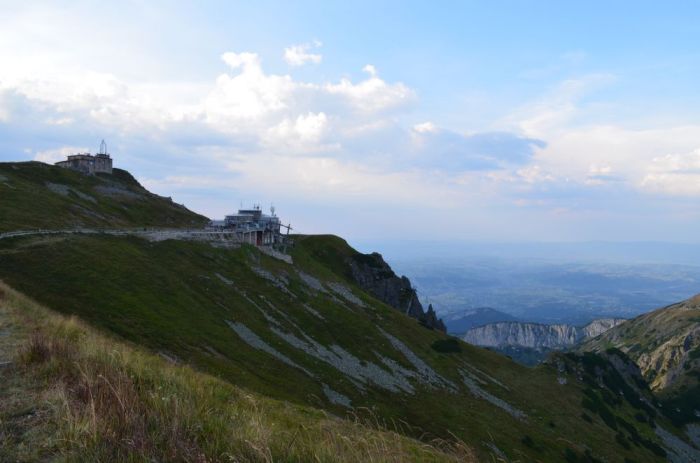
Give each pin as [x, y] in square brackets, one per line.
[458, 322]
[306, 331]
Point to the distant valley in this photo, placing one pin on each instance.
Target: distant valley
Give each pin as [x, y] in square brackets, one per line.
[547, 291]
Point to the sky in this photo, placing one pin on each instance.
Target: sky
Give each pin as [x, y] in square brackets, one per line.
[442, 121]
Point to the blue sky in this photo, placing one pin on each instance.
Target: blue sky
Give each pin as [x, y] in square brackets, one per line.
[535, 121]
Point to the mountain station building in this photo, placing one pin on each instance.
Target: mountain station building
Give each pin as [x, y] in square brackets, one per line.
[89, 164]
[253, 227]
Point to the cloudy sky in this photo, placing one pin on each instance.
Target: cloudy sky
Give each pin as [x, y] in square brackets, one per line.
[541, 121]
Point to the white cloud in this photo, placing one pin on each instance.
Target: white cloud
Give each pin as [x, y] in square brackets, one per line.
[245, 60]
[243, 100]
[304, 134]
[674, 174]
[373, 93]
[582, 151]
[556, 109]
[298, 55]
[425, 127]
[323, 179]
[370, 69]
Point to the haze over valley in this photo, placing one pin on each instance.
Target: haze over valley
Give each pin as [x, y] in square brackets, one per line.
[549, 291]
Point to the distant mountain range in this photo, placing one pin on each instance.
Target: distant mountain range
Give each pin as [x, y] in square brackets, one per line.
[461, 321]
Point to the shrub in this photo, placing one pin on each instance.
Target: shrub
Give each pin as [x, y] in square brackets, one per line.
[654, 447]
[695, 353]
[620, 439]
[570, 456]
[446, 346]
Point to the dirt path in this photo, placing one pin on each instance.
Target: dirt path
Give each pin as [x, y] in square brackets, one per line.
[22, 409]
[150, 234]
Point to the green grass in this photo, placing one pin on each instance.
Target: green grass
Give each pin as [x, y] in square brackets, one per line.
[34, 195]
[76, 395]
[175, 297]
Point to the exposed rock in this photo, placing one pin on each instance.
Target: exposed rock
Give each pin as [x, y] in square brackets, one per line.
[313, 311]
[65, 190]
[693, 433]
[268, 250]
[336, 397]
[344, 292]
[278, 281]
[431, 320]
[535, 335]
[487, 378]
[118, 191]
[428, 375]
[256, 342]
[311, 282]
[224, 279]
[363, 371]
[375, 276]
[678, 450]
[477, 391]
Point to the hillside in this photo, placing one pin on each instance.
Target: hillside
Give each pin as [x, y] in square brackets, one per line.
[665, 343]
[314, 333]
[34, 195]
[300, 333]
[70, 393]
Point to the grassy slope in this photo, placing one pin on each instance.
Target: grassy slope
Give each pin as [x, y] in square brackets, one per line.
[73, 394]
[665, 343]
[176, 297]
[35, 195]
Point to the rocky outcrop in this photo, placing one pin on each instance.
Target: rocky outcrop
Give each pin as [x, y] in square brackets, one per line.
[535, 335]
[375, 276]
[665, 343]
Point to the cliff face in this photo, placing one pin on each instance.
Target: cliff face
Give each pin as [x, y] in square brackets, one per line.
[535, 335]
[375, 276]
